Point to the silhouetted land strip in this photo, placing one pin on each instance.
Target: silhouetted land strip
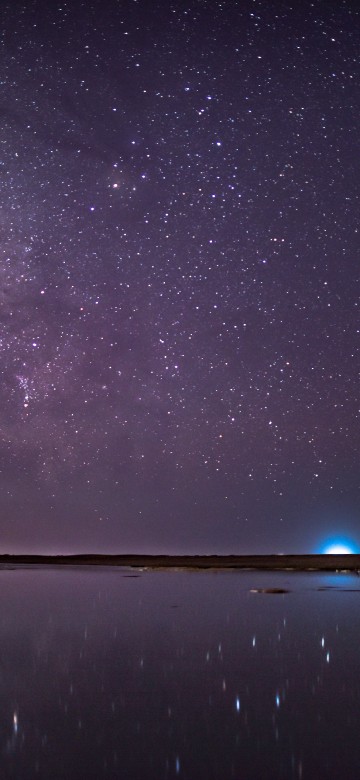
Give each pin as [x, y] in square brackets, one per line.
[193, 562]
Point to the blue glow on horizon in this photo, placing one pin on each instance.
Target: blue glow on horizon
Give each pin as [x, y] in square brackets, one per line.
[339, 546]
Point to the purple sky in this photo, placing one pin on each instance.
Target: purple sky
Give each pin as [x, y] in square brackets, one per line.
[179, 276]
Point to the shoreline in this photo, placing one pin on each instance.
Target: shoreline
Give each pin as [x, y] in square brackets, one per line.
[346, 563]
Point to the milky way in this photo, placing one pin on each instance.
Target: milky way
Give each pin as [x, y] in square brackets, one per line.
[179, 275]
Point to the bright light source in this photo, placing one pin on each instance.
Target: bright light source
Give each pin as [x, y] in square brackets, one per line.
[339, 548]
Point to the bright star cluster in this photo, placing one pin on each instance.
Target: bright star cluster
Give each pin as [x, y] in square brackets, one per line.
[179, 275]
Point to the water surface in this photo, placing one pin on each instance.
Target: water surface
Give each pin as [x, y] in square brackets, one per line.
[198, 676]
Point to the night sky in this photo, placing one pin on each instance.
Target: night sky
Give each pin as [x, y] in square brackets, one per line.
[179, 275]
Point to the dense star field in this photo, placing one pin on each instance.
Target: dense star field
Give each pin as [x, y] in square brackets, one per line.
[179, 275]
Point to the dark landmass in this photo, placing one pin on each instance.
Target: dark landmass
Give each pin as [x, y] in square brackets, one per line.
[192, 562]
[272, 591]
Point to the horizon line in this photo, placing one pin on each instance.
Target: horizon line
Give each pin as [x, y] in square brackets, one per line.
[261, 561]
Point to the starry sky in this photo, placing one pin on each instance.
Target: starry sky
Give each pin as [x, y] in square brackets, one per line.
[179, 275]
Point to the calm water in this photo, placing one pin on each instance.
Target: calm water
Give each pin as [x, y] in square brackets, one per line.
[178, 675]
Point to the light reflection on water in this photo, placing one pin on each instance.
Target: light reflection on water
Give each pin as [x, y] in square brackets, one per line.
[178, 675]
